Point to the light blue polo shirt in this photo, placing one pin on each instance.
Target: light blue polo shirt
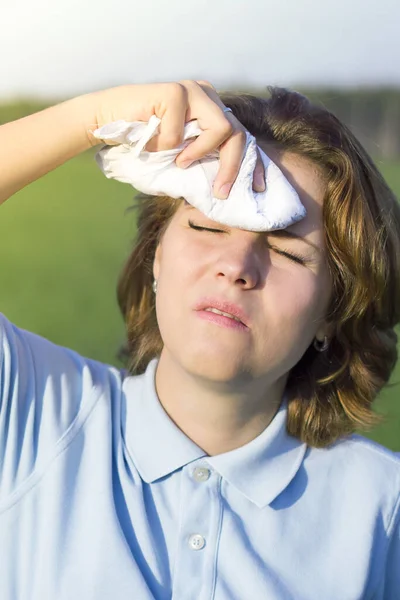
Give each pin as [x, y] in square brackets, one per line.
[102, 497]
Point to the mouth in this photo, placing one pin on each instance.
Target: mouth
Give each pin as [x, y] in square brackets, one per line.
[227, 322]
[222, 312]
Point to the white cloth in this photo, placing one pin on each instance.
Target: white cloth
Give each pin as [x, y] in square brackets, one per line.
[156, 173]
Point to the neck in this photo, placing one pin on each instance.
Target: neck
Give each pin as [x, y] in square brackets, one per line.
[216, 416]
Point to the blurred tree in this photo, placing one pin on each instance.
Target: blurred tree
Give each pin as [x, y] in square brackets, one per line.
[372, 114]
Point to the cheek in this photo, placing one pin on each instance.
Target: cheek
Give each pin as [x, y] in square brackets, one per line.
[178, 273]
[293, 310]
[181, 258]
[296, 300]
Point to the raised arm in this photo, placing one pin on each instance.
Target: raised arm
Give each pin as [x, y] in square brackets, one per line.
[44, 387]
[37, 144]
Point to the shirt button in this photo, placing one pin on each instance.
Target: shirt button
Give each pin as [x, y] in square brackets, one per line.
[196, 541]
[201, 474]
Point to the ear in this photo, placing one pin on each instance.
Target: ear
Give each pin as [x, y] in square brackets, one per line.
[325, 329]
[157, 262]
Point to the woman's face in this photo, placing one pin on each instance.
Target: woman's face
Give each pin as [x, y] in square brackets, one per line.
[282, 297]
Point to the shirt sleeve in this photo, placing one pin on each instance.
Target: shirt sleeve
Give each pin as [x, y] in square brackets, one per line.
[392, 574]
[43, 389]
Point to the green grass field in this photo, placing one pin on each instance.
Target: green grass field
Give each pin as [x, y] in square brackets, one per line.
[63, 241]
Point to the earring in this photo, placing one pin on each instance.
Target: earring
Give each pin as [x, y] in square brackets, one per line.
[321, 346]
[155, 286]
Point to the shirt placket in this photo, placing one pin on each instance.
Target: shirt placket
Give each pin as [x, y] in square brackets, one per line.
[199, 533]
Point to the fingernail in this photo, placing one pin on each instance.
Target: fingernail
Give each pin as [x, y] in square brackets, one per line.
[258, 182]
[185, 164]
[223, 191]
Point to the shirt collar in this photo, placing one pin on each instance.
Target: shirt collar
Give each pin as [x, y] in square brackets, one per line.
[260, 470]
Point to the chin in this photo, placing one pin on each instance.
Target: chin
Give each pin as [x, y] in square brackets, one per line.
[215, 364]
[215, 356]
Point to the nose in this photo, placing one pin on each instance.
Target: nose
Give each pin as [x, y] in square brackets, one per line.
[240, 261]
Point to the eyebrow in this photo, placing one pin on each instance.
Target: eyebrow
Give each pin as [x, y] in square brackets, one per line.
[281, 233]
[285, 234]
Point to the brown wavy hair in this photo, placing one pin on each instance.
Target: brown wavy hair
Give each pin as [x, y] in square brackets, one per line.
[330, 394]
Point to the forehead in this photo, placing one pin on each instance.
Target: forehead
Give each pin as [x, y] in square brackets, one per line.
[308, 181]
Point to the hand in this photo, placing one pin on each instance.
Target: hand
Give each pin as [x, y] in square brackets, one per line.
[175, 104]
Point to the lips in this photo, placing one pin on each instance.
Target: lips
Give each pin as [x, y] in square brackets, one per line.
[230, 309]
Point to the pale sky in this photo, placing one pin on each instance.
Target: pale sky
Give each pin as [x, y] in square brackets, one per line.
[60, 48]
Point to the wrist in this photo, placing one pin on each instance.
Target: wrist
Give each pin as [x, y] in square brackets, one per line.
[83, 109]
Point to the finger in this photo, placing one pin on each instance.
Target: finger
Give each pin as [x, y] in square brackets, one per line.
[204, 104]
[231, 151]
[212, 136]
[173, 116]
[231, 146]
[230, 158]
[206, 84]
[211, 93]
[259, 174]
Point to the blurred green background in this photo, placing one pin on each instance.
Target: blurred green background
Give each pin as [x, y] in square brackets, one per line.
[63, 241]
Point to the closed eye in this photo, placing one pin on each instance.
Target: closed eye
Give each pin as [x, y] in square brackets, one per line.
[290, 255]
[193, 226]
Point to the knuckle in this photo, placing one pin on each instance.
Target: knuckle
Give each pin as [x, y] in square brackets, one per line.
[205, 83]
[226, 128]
[172, 139]
[176, 89]
[187, 83]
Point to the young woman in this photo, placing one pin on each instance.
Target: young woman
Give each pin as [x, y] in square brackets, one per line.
[222, 464]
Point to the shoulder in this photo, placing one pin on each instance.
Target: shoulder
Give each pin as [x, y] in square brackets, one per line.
[362, 451]
[33, 365]
[371, 447]
[358, 451]
[360, 470]
[357, 455]
[47, 394]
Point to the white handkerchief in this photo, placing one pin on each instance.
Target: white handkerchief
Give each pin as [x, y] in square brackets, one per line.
[156, 173]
